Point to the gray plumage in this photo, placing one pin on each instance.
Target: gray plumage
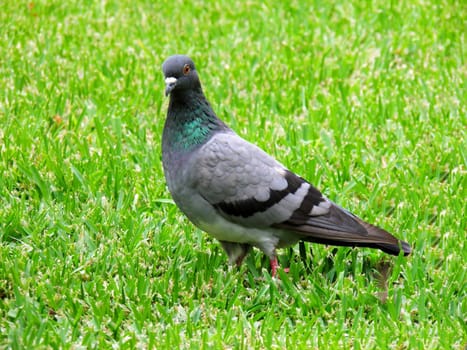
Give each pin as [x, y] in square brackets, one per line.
[239, 194]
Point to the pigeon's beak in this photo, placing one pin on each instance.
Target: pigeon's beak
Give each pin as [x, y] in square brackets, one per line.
[170, 83]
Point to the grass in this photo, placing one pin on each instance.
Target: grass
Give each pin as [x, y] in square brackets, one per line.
[366, 100]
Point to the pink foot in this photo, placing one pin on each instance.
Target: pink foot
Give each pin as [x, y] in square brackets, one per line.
[275, 266]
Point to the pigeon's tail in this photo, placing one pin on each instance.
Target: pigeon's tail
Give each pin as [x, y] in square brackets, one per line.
[342, 228]
[389, 244]
[376, 238]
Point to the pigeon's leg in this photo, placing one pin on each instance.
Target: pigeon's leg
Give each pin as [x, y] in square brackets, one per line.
[245, 252]
[236, 251]
[275, 265]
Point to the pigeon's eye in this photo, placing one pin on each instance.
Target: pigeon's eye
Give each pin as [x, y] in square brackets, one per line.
[186, 69]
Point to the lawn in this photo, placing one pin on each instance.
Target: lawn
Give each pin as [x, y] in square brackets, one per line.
[367, 100]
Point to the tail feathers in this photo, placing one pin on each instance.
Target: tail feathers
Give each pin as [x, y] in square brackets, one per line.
[393, 248]
[359, 234]
[389, 244]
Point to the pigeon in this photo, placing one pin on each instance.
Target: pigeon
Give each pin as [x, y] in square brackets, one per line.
[240, 195]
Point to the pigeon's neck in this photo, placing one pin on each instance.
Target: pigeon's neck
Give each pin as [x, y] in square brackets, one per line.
[190, 121]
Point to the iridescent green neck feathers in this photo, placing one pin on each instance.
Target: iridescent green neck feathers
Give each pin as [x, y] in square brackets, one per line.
[190, 122]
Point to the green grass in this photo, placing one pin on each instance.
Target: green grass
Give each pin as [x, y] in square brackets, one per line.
[366, 100]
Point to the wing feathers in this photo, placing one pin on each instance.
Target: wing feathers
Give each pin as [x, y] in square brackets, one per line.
[250, 206]
[334, 219]
[248, 187]
[339, 227]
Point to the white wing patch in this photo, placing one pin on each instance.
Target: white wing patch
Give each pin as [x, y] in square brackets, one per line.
[321, 209]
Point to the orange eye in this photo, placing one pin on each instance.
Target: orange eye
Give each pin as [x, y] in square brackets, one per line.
[186, 69]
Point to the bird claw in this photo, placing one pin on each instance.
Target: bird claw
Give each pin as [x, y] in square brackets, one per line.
[275, 266]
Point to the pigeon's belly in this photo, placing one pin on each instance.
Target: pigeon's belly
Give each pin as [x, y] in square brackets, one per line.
[267, 239]
[224, 230]
[204, 216]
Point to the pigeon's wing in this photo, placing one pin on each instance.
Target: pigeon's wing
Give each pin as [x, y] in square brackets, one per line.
[246, 185]
[250, 188]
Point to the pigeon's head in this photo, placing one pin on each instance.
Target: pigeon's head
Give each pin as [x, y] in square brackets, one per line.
[180, 74]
